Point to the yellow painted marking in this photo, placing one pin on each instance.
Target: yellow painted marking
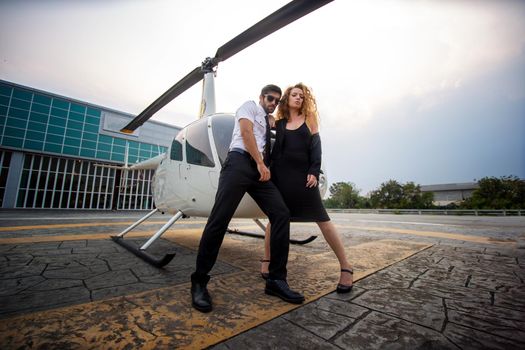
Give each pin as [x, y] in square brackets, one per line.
[164, 319]
[119, 223]
[455, 236]
[171, 233]
[71, 237]
[92, 224]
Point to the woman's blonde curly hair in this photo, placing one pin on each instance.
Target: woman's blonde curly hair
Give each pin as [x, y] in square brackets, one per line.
[308, 109]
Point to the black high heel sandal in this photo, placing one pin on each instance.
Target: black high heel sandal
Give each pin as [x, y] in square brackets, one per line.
[265, 275]
[342, 288]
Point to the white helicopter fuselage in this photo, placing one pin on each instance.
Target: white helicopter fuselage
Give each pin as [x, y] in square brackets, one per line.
[187, 176]
[180, 185]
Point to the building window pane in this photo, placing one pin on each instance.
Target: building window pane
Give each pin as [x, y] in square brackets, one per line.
[57, 130]
[69, 141]
[93, 112]
[78, 108]
[20, 104]
[18, 113]
[73, 133]
[34, 135]
[5, 90]
[49, 147]
[36, 126]
[40, 108]
[12, 142]
[71, 150]
[57, 112]
[42, 99]
[22, 94]
[16, 123]
[76, 117]
[74, 125]
[14, 132]
[60, 103]
[35, 145]
[57, 121]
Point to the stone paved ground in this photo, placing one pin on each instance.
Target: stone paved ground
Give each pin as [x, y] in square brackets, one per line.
[445, 297]
[458, 294]
[46, 275]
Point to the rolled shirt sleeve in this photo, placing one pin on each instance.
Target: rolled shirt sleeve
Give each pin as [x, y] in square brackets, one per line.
[254, 113]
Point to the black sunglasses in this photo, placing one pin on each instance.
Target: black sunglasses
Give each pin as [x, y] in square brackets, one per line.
[271, 98]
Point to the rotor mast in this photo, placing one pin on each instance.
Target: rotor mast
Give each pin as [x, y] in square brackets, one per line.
[209, 68]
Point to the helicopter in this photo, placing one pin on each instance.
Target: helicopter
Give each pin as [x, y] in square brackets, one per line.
[187, 174]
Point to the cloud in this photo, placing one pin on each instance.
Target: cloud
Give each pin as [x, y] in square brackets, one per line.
[385, 73]
[403, 49]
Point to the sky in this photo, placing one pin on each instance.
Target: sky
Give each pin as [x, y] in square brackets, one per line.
[426, 91]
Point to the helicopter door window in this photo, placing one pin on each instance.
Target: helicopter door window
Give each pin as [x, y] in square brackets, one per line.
[176, 147]
[198, 149]
[222, 127]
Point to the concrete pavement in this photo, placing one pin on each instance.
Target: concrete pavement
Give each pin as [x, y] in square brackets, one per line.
[422, 282]
[444, 297]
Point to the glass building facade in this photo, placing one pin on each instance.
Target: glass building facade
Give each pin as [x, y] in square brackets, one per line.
[52, 149]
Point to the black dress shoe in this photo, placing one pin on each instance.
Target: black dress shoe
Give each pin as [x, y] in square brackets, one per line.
[200, 298]
[281, 289]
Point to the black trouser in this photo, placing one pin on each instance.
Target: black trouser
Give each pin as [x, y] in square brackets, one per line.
[239, 175]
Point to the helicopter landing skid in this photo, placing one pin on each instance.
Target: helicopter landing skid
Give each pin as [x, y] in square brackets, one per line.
[141, 251]
[256, 235]
[150, 259]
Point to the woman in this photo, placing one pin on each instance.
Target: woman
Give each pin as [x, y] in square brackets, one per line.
[295, 168]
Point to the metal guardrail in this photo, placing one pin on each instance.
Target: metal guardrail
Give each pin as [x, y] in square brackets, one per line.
[474, 212]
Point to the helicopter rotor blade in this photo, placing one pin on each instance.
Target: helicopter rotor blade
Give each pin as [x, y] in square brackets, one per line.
[182, 85]
[280, 18]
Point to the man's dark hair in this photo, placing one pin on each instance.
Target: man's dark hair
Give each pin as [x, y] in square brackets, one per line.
[271, 88]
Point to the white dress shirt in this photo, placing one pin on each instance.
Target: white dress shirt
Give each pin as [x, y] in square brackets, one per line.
[254, 113]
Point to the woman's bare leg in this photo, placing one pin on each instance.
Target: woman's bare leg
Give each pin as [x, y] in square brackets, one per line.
[333, 239]
[265, 265]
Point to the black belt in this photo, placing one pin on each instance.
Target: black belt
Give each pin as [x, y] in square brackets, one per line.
[241, 151]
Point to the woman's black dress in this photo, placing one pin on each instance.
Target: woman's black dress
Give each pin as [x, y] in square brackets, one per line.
[297, 153]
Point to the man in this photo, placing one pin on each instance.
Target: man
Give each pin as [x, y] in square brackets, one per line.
[245, 170]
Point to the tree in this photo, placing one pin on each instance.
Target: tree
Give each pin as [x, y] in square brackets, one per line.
[343, 195]
[507, 192]
[388, 195]
[393, 195]
[413, 198]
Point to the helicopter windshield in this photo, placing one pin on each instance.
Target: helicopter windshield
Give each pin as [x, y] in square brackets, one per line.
[222, 128]
[198, 149]
[176, 147]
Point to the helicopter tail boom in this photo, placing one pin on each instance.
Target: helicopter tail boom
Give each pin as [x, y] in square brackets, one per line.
[151, 163]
